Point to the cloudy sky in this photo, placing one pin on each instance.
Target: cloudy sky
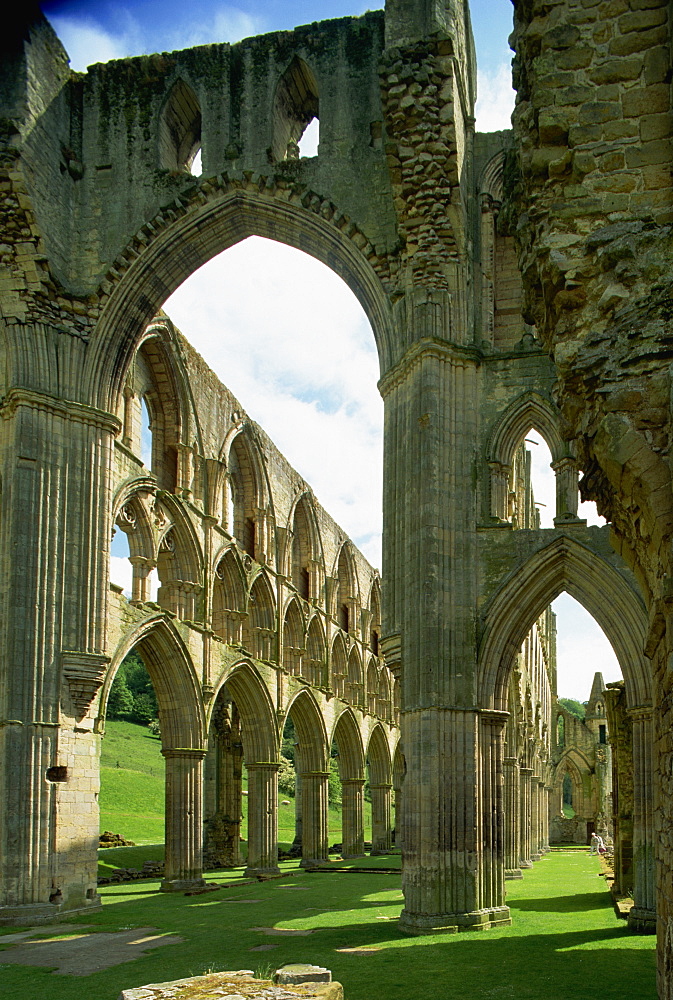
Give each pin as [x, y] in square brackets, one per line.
[296, 349]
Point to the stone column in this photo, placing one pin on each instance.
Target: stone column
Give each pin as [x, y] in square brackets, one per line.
[512, 809]
[55, 465]
[262, 819]
[525, 860]
[535, 854]
[500, 476]
[314, 818]
[546, 806]
[643, 916]
[224, 767]
[567, 491]
[184, 830]
[352, 828]
[493, 877]
[381, 832]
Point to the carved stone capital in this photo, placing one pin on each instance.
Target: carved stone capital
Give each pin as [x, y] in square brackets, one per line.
[84, 673]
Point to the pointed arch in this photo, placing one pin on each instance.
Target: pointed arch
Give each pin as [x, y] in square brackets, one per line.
[248, 495]
[313, 667]
[174, 678]
[296, 104]
[293, 637]
[229, 590]
[306, 564]
[378, 756]
[530, 410]
[383, 699]
[179, 563]
[354, 685]
[179, 133]
[259, 730]
[351, 759]
[312, 747]
[372, 685]
[374, 604]
[347, 591]
[339, 666]
[261, 620]
[563, 564]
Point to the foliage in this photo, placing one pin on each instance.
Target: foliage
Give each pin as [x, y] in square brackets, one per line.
[287, 778]
[132, 695]
[334, 791]
[576, 708]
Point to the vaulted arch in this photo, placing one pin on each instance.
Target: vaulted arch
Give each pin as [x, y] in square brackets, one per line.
[351, 753]
[378, 756]
[173, 676]
[259, 730]
[564, 564]
[312, 748]
[170, 248]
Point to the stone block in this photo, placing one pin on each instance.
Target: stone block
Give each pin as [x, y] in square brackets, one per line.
[646, 100]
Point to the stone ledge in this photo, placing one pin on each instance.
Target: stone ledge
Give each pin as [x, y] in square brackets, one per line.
[232, 986]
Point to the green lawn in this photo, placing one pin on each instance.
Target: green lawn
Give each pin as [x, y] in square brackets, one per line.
[132, 791]
[565, 942]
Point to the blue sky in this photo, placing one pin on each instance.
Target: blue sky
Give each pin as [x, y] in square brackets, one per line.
[297, 350]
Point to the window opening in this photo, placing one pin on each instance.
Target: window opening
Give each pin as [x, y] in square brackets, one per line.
[310, 138]
[145, 434]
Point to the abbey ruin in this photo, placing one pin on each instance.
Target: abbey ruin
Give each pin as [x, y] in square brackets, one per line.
[513, 280]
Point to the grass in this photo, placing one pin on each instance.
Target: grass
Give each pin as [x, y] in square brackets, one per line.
[565, 942]
[132, 794]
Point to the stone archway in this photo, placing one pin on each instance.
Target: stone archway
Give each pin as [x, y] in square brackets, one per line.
[380, 787]
[351, 759]
[183, 742]
[311, 764]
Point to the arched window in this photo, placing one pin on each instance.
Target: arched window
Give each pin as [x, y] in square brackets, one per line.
[261, 620]
[313, 666]
[180, 128]
[296, 104]
[375, 621]
[242, 495]
[560, 731]
[301, 550]
[346, 592]
[229, 599]
[293, 638]
[339, 667]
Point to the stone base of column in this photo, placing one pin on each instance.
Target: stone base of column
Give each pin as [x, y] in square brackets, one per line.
[642, 921]
[262, 872]
[360, 854]
[181, 884]
[535, 857]
[313, 862]
[452, 923]
[513, 873]
[525, 864]
[44, 913]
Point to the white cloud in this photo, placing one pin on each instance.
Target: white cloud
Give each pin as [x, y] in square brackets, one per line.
[291, 342]
[495, 98]
[121, 573]
[86, 43]
[582, 650]
[228, 24]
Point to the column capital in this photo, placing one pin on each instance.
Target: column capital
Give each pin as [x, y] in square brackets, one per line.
[186, 753]
[263, 765]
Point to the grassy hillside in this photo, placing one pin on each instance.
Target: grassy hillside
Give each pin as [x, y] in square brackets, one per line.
[132, 790]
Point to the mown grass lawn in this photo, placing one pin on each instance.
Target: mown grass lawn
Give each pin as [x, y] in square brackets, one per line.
[564, 944]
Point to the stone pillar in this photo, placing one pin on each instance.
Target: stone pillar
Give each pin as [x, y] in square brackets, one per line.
[500, 476]
[567, 490]
[295, 850]
[314, 818]
[224, 767]
[262, 819]
[352, 828]
[381, 832]
[642, 916]
[620, 730]
[546, 811]
[512, 809]
[493, 871]
[184, 830]
[55, 465]
[525, 860]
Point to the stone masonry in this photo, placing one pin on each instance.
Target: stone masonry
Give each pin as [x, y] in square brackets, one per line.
[512, 280]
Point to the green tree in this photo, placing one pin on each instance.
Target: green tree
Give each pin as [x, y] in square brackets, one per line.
[287, 779]
[120, 702]
[575, 708]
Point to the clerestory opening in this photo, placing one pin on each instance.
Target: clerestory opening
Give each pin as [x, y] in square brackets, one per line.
[295, 113]
[179, 135]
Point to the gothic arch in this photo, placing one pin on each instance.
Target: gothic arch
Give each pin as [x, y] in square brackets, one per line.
[339, 666]
[250, 493]
[346, 596]
[261, 620]
[354, 685]
[218, 214]
[378, 755]
[293, 637]
[229, 596]
[314, 661]
[131, 515]
[530, 410]
[491, 179]
[311, 733]
[351, 753]
[305, 564]
[563, 564]
[258, 718]
[177, 687]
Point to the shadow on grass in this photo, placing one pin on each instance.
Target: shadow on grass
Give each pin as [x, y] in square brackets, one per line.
[578, 903]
